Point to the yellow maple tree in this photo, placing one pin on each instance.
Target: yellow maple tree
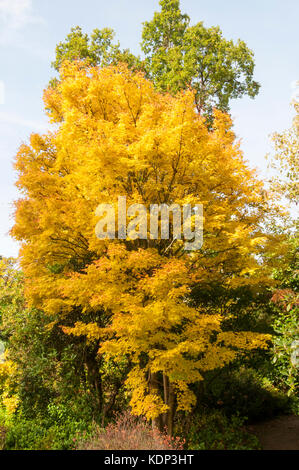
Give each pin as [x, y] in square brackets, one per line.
[117, 136]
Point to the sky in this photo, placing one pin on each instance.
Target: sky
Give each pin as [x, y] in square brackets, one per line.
[30, 30]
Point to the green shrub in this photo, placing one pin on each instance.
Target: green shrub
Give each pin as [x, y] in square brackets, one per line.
[25, 434]
[285, 349]
[245, 393]
[213, 430]
[2, 437]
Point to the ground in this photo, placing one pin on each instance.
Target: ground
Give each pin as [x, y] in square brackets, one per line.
[278, 434]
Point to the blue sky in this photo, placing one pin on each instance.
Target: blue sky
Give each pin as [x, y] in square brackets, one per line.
[30, 29]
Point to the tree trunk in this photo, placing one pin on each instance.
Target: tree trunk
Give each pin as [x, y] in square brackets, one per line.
[166, 392]
[94, 378]
[170, 412]
[164, 421]
[154, 388]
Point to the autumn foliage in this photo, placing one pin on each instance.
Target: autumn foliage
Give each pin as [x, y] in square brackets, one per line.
[128, 433]
[115, 135]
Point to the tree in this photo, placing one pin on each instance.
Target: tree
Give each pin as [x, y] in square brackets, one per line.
[41, 366]
[129, 297]
[177, 56]
[97, 50]
[286, 161]
[11, 303]
[285, 184]
[286, 339]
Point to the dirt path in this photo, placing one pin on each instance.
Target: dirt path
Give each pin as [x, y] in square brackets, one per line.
[278, 434]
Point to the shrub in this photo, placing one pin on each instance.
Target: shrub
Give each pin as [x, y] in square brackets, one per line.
[129, 433]
[37, 434]
[286, 342]
[212, 430]
[245, 393]
[24, 435]
[2, 437]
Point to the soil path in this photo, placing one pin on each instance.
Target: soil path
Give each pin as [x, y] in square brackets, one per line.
[278, 434]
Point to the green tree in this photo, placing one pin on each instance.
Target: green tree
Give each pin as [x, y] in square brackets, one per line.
[176, 56]
[180, 56]
[97, 50]
[43, 368]
[286, 340]
[286, 162]
[286, 297]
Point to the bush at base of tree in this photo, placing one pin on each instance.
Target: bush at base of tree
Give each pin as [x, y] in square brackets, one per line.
[210, 429]
[41, 434]
[246, 393]
[129, 432]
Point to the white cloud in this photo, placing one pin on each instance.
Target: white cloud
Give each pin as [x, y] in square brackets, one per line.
[14, 16]
[10, 118]
[2, 92]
